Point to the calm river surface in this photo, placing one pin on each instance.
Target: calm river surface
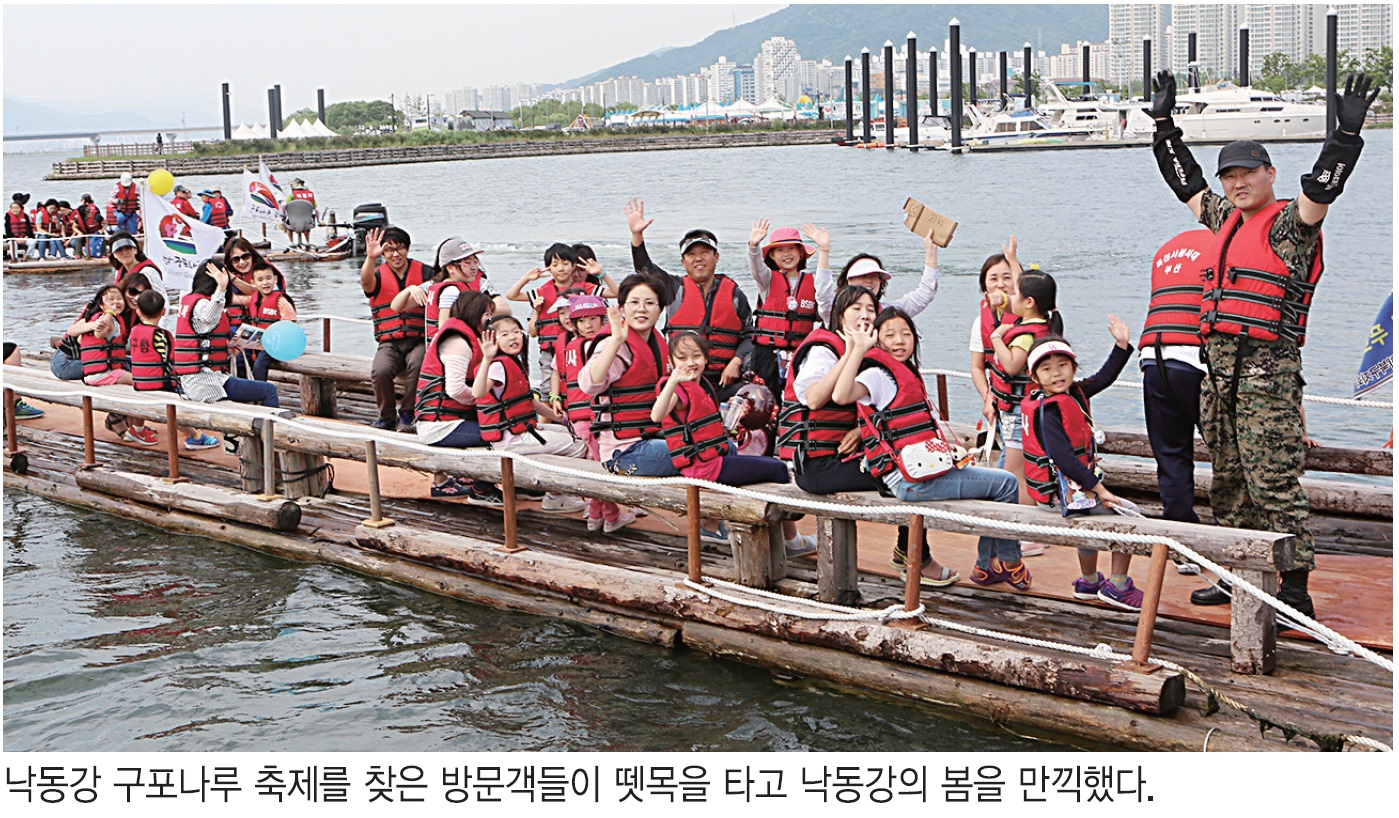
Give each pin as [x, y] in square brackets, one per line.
[121, 637]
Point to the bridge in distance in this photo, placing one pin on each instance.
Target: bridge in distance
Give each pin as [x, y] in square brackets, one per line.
[35, 137]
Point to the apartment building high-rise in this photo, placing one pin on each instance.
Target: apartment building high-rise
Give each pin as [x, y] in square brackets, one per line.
[774, 66]
[1297, 30]
[1128, 25]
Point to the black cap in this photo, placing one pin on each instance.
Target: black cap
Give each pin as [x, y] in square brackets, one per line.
[1242, 154]
[700, 236]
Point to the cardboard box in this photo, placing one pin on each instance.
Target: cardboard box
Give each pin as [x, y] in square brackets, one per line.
[926, 221]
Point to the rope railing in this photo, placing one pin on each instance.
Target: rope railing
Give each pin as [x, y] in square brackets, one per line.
[1335, 641]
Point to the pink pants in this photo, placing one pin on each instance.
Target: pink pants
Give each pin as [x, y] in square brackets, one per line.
[609, 512]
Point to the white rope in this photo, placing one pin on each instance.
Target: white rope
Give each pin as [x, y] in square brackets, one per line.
[823, 611]
[1366, 404]
[318, 316]
[1334, 640]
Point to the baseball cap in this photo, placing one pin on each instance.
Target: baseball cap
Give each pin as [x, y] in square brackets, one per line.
[700, 236]
[1244, 153]
[126, 178]
[455, 249]
[181, 189]
[1044, 350]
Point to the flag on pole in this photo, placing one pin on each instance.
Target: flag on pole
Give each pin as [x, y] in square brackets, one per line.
[261, 198]
[176, 243]
[1377, 364]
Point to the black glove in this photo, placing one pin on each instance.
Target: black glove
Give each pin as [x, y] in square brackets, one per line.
[1352, 105]
[1163, 100]
[1180, 170]
[1339, 153]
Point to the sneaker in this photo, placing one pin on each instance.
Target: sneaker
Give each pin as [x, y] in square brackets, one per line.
[595, 523]
[1031, 549]
[1128, 598]
[720, 534]
[1019, 578]
[484, 494]
[625, 519]
[380, 423]
[992, 574]
[800, 545]
[563, 504]
[1187, 569]
[451, 488]
[24, 411]
[145, 435]
[406, 422]
[204, 441]
[1089, 590]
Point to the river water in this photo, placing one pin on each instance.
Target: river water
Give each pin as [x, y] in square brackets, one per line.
[118, 636]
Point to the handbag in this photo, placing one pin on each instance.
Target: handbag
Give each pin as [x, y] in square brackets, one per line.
[918, 462]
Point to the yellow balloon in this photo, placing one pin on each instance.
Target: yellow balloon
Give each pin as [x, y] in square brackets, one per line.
[160, 181]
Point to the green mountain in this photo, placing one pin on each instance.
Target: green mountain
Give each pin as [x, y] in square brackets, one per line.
[833, 31]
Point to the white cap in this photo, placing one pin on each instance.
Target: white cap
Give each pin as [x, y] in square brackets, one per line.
[1044, 350]
[126, 178]
[864, 267]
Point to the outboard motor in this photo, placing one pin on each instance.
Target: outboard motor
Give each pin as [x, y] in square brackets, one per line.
[368, 217]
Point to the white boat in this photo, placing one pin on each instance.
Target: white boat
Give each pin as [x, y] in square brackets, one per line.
[1023, 129]
[1226, 112]
[1097, 113]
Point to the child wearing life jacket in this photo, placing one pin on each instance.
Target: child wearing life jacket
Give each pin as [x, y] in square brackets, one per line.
[267, 305]
[786, 311]
[1033, 303]
[148, 350]
[687, 410]
[101, 339]
[1060, 440]
[508, 410]
[879, 371]
[561, 266]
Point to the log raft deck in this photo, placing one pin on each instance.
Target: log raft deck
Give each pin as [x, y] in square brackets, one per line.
[662, 588]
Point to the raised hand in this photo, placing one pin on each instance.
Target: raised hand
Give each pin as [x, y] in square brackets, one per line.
[592, 267]
[1353, 104]
[374, 242]
[1009, 249]
[636, 216]
[859, 340]
[1119, 331]
[617, 323]
[819, 236]
[760, 229]
[1163, 97]
[488, 345]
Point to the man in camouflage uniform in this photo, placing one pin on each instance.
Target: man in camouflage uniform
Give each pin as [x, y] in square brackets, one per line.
[1251, 402]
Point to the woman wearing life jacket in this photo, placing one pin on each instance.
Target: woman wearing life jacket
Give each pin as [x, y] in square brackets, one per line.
[458, 270]
[866, 270]
[508, 411]
[628, 360]
[446, 414]
[893, 404]
[203, 344]
[131, 286]
[125, 257]
[19, 229]
[240, 258]
[88, 217]
[1060, 440]
[997, 282]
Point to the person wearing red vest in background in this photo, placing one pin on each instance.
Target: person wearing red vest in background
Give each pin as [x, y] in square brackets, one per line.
[182, 202]
[127, 207]
[216, 210]
[400, 334]
[1261, 274]
[458, 271]
[48, 228]
[787, 310]
[88, 218]
[19, 228]
[702, 300]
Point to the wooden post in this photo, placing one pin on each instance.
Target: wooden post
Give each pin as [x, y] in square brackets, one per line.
[913, 562]
[325, 333]
[376, 511]
[942, 397]
[11, 427]
[507, 491]
[752, 551]
[692, 511]
[1146, 625]
[1253, 633]
[269, 461]
[837, 561]
[172, 446]
[89, 444]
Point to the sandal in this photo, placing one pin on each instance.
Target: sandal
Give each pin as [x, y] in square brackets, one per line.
[946, 578]
[450, 487]
[114, 420]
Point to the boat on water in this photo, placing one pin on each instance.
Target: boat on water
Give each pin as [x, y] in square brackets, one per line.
[842, 617]
[340, 249]
[1025, 129]
[1227, 112]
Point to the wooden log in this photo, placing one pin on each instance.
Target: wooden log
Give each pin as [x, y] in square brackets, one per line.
[1253, 633]
[315, 480]
[752, 550]
[1327, 496]
[209, 501]
[837, 561]
[250, 465]
[1322, 458]
[1076, 677]
[317, 396]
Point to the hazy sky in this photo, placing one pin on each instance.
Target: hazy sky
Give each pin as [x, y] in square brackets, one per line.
[354, 51]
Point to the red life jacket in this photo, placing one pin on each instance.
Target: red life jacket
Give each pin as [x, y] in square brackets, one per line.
[1040, 480]
[46, 222]
[88, 218]
[303, 194]
[194, 350]
[150, 369]
[218, 211]
[433, 401]
[18, 225]
[785, 318]
[575, 355]
[1249, 290]
[1009, 389]
[102, 354]
[390, 325]
[624, 407]
[547, 323]
[812, 432]
[513, 411]
[989, 322]
[431, 313]
[265, 310]
[694, 431]
[1173, 316]
[716, 321]
[154, 277]
[908, 419]
[128, 198]
[185, 206]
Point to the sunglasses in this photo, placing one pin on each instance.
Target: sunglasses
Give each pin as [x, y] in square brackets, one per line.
[240, 257]
[135, 290]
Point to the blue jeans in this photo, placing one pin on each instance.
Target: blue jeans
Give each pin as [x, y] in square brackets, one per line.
[94, 246]
[128, 222]
[241, 390]
[65, 368]
[970, 483]
[465, 435]
[644, 458]
[44, 247]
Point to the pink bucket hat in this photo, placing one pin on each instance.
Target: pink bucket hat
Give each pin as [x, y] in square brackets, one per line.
[784, 236]
[581, 306]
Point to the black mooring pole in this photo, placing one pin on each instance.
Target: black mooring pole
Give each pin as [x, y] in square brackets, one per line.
[866, 130]
[278, 88]
[1243, 55]
[1146, 69]
[849, 99]
[272, 121]
[1192, 54]
[933, 82]
[911, 89]
[1331, 56]
[227, 116]
[1029, 78]
[1087, 80]
[971, 77]
[890, 110]
[320, 104]
[954, 66]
